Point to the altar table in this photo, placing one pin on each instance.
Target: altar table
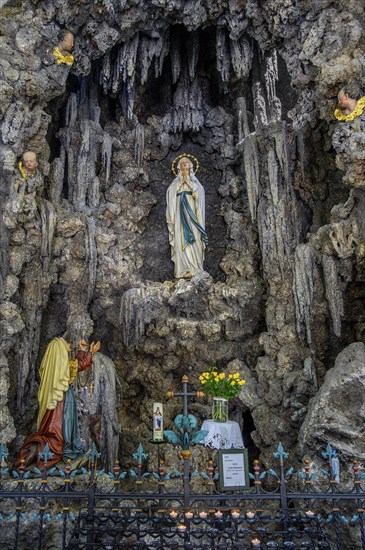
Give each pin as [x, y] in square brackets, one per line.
[222, 435]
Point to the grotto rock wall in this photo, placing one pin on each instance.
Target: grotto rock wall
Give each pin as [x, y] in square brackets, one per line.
[248, 88]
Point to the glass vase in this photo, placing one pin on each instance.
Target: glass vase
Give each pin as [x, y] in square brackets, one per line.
[220, 409]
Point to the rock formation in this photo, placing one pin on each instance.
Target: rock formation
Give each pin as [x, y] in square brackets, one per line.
[247, 87]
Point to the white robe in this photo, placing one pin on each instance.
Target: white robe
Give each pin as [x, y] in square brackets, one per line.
[188, 259]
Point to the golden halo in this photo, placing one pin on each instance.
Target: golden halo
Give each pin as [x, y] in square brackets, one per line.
[185, 155]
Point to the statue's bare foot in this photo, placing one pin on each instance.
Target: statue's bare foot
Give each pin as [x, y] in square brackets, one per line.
[188, 275]
[31, 456]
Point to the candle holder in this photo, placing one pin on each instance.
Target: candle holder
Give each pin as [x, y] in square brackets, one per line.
[256, 543]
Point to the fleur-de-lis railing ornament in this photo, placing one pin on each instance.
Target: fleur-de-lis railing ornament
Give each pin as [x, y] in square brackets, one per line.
[46, 454]
[140, 456]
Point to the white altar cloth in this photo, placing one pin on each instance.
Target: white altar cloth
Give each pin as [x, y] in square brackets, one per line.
[222, 435]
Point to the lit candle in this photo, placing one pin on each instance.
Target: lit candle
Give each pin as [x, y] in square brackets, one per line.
[310, 514]
[181, 528]
[157, 422]
[255, 543]
[173, 514]
[218, 514]
[250, 515]
[203, 514]
[235, 514]
[189, 515]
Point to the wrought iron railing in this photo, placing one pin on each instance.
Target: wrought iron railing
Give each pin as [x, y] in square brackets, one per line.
[88, 508]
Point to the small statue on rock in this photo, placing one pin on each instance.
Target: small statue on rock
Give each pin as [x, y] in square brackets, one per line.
[28, 165]
[185, 216]
[57, 423]
[62, 52]
[349, 108]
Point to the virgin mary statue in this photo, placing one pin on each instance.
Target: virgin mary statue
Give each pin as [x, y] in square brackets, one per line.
[185, 216]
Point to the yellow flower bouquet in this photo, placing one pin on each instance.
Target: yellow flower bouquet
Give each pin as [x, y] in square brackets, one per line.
[221, 387]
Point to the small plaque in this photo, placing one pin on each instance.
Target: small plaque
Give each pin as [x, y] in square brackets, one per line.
[233, 469]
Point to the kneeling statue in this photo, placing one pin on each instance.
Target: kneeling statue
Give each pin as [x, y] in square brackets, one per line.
[57, 422]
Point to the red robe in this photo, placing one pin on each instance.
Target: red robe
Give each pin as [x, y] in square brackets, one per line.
[50, 430]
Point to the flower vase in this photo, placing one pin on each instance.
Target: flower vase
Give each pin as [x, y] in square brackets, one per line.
[220, 409]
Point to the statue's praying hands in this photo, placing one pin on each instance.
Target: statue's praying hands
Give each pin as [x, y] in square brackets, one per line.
[94, 347]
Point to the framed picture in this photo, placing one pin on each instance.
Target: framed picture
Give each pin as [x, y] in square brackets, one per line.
[233, 469]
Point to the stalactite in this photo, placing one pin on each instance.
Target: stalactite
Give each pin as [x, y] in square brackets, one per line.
[252, 169]
[105, 74]
[27, 350]
[106, 155]
[241, 57]
[57, 177]
[132, 316]
[147, 53]
[93, 103]
[279, 214]
[242, 119]
[71, 110]
[152, 49]
[336, 274]
[303, 287]
[162, 51]
[193, 54]
[260, 118]
[175, 57]
[48, 219]
[187, 113]
[222, 52]
[139, 144]
[78, 188]
[91, 256]
[4, 247]
[127, 63]
[271, 77]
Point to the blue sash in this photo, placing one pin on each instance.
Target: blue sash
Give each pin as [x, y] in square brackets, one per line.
[186, 212]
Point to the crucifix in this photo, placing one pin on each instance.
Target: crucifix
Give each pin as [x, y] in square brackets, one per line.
[185, 453]
[185, 394]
